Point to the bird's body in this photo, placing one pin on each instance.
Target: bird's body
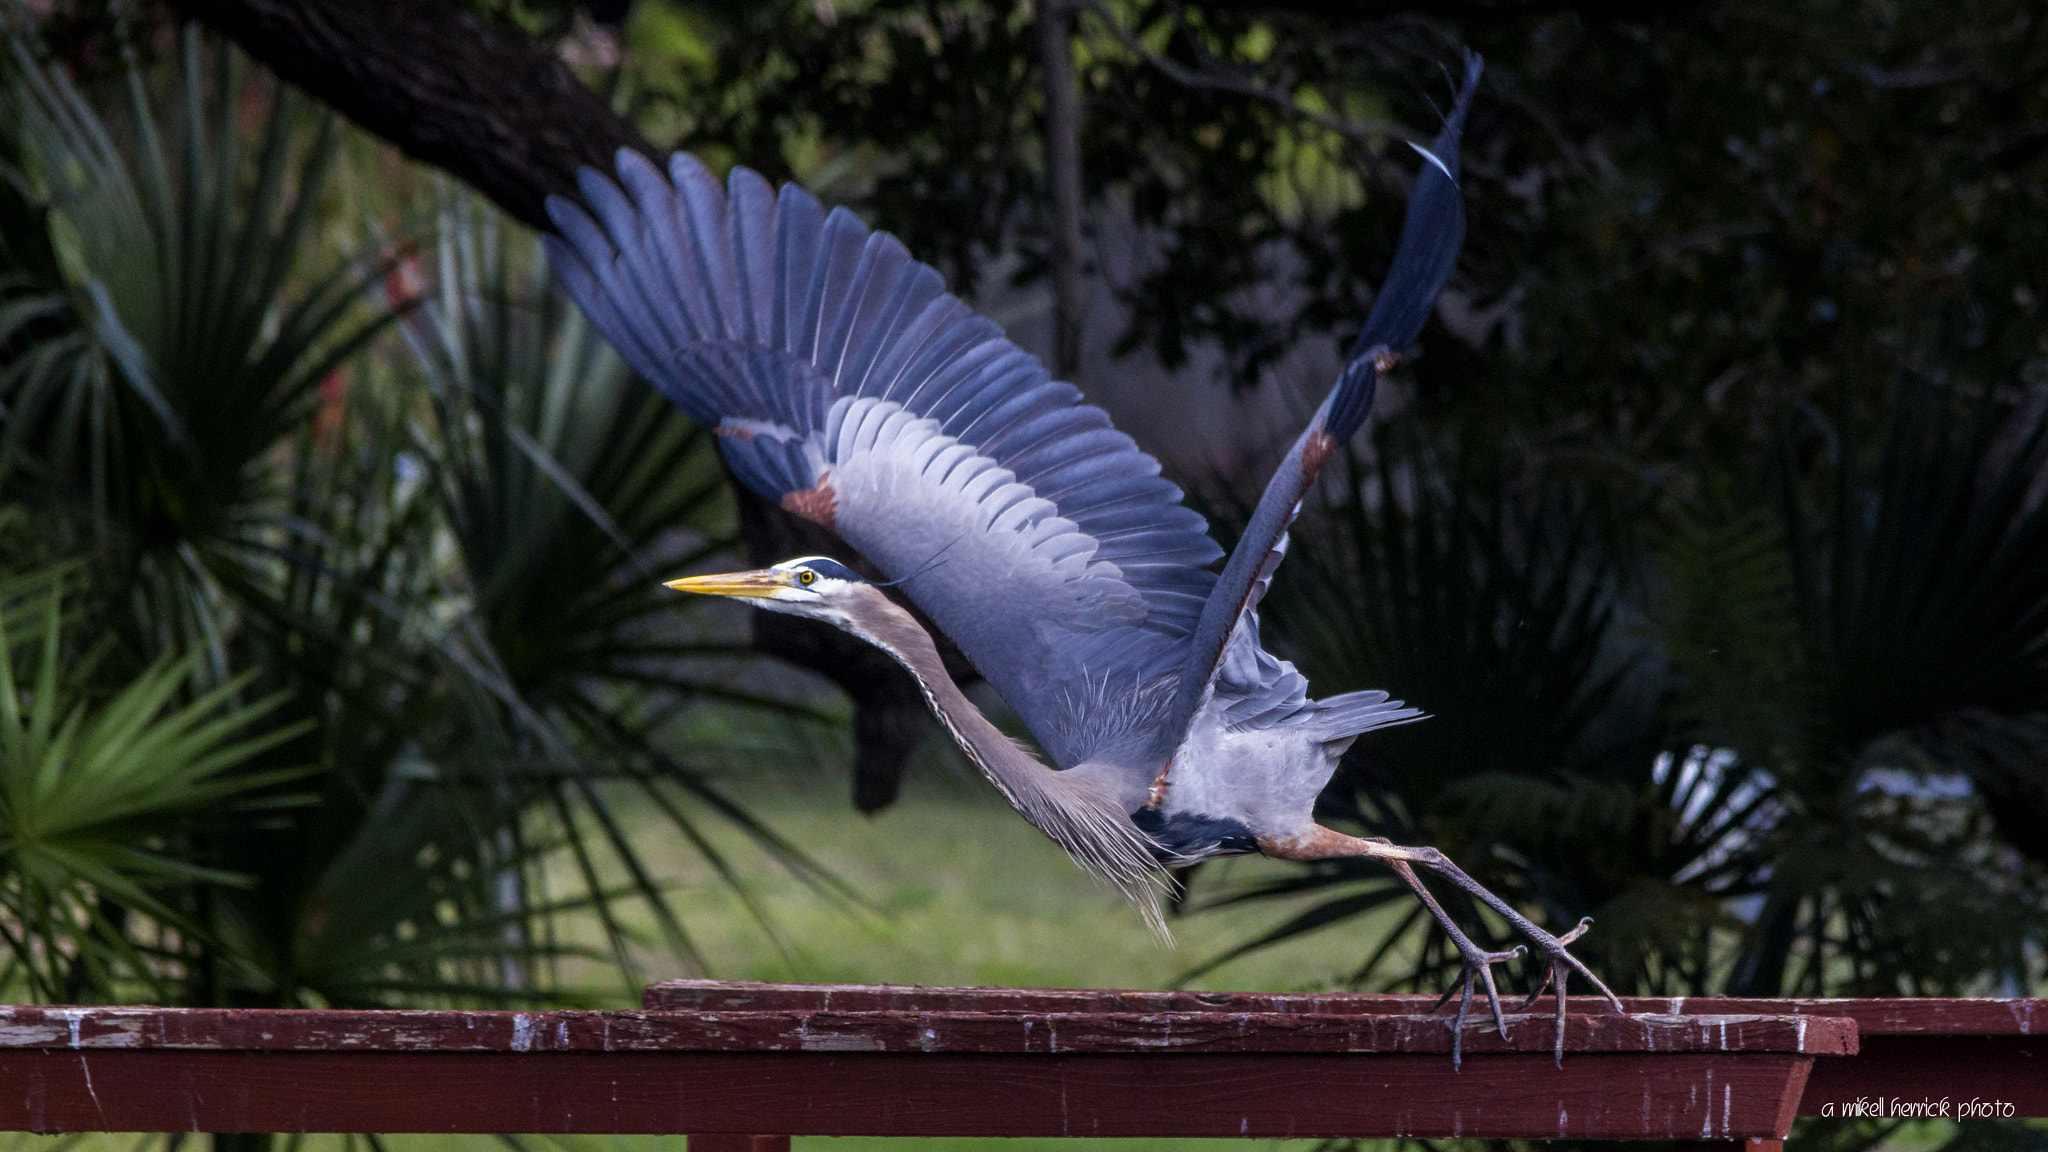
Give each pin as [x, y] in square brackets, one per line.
[845, 385]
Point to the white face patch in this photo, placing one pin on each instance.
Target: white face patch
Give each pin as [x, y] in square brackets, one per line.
[812, 582]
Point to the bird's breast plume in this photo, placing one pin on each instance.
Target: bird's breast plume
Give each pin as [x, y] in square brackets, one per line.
[1083, 817]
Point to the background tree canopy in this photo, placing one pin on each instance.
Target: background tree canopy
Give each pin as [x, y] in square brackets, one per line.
[1709, 522]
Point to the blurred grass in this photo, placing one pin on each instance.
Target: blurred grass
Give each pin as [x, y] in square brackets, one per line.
[959, 890]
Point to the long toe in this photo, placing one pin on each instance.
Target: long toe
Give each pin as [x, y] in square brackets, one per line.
[1558, 970]
[1477, 963]
[1561, 959]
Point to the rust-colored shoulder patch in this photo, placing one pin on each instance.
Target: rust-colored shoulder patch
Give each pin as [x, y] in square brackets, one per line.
[1157, 795]
[819, 504]
[1317, 452]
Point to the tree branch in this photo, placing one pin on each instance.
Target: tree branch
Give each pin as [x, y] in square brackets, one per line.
[487, 105]
[1219, 77]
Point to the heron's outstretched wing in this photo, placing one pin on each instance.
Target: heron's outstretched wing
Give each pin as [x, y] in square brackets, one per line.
[845, 384]
[1225, 660]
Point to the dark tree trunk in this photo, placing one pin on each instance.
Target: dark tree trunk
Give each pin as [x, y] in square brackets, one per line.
[487, 105]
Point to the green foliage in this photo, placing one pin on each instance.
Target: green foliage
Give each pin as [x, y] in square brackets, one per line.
[435, 570]
[95, 792]
[567, 484]
[1772, 756]
[1923, 605]
[926, 114]
[1729, 630]
[181, 340]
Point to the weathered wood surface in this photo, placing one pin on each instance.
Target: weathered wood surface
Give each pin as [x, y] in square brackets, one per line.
[750, 1058]
[1914, 1016]
[1963, 1050]
[1009, 1033]
[1595, 1096]
[712, 1058]
[904, 1072]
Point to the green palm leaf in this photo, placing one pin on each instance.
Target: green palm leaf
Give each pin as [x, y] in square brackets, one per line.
[171, 331]
[569, 485]
[90, 790]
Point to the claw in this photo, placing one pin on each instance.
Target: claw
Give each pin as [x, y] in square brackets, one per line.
[1479, 962]
[1558, 970]
[1559, 965]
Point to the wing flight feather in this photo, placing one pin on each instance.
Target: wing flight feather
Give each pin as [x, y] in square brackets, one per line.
[1225, 662]
[846, 384]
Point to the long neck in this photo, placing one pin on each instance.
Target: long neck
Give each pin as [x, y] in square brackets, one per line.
[1077, 808]
[896, 632]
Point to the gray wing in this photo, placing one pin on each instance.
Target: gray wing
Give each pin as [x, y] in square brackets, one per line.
[845, 384]
[1226, 666]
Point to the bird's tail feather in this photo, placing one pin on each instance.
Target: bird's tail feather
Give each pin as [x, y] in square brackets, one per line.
[1353, 714]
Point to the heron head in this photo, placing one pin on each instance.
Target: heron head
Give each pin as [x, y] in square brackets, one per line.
[815, 586]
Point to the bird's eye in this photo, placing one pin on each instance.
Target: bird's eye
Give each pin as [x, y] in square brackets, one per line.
[806, 577]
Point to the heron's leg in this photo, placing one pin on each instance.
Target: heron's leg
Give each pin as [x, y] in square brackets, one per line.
[1324, 844]
[1475, 961]
[1559, 962]
[1321, 843]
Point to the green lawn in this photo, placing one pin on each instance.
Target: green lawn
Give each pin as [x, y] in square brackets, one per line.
[958, 890]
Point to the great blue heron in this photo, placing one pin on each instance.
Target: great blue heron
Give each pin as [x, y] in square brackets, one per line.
[845, 384]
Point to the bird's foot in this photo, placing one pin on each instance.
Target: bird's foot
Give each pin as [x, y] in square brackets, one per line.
[1559, 964]
[1477, 962]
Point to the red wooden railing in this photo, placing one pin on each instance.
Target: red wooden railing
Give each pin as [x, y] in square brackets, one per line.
[742, 1066]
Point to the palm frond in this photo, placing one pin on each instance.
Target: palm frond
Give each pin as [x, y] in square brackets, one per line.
[89, 791]
[568, 485]
[173, 333]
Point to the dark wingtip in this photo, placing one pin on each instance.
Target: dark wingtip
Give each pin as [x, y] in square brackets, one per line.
[1431, 235]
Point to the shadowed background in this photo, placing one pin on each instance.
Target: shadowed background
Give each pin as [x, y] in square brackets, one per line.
[1707, 520]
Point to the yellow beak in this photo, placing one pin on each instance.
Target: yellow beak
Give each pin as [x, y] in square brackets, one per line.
[757, 585]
